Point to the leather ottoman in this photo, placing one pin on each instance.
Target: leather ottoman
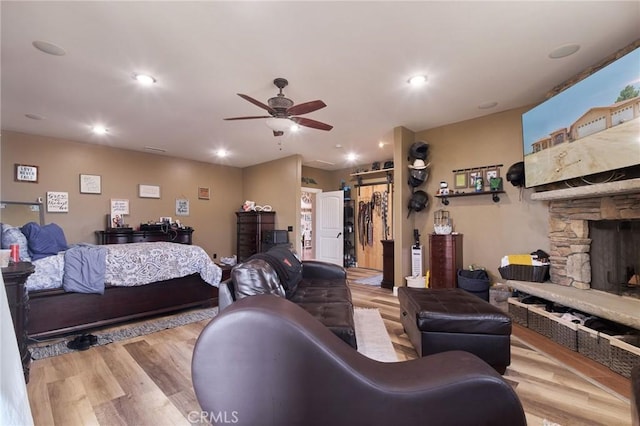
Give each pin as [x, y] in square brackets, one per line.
[438, 320]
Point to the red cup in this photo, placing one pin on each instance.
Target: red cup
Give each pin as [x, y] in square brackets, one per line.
[15, 252]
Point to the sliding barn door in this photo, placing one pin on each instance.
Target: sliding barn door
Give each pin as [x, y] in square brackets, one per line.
[371, 204]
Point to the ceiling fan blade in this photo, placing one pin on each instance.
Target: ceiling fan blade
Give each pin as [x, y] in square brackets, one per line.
[257, 103]
[278, 133]
[307, 122]
[306, 107]
[248, 118]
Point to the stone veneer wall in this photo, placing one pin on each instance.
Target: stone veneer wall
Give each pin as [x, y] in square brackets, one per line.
[569, 233]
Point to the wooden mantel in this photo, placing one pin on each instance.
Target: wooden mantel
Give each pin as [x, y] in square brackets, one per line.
[628, 186]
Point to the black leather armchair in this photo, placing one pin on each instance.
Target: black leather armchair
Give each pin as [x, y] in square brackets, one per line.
[266, 361]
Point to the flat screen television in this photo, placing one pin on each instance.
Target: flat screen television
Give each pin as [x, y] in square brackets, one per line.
[591, 127]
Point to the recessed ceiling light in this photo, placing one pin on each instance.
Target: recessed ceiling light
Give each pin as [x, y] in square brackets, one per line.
[338, 146]
[417, 80]
[50, 48]
[294, 128]
[34, 116]
[222, 153]
[564, 51]
[381, 144]
[144, 79]
[352, 156]
[488, 105]
[99, 130]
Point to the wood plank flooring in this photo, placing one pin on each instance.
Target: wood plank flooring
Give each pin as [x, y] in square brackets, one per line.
[147, 380]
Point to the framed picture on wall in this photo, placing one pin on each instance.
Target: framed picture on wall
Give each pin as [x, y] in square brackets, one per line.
[90, 184]
[491, 172]
[26, 173]
[203, 193]
[148, 191]
[460, 179]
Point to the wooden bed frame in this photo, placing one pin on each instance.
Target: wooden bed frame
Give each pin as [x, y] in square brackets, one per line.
[56, 312]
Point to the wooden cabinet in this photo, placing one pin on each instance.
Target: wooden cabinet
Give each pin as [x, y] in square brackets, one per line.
[15, 275]
[250, 226]
[445, 258]
[124, 236]
[387, 264]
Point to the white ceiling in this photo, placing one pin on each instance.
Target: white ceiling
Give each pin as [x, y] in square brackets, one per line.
[355, 56]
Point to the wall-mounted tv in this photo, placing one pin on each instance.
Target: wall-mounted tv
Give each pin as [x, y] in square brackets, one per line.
[591, 127]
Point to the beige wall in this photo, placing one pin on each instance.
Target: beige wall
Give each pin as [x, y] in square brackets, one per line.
[61, 162]
[491, 230]
[324, 179]
[277, 183]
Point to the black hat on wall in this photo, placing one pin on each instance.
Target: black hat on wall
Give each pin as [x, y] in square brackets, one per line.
[419, 150]
[418, 201]
[515, 174]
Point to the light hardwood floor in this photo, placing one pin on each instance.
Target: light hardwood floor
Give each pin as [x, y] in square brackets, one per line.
[146, 380]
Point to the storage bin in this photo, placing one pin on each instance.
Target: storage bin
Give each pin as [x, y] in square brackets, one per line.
[625, 354]
[518, 311]
[475, 282]
[594, 345]
[564, 332]
[416, 282]
[539, 320]
[525, 273]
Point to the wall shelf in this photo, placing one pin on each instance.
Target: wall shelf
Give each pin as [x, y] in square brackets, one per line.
[494, 196]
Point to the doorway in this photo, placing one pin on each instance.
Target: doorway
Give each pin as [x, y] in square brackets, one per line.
[305, 246]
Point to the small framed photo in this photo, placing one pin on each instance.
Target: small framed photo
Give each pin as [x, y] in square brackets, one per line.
[473, 175]
[148, 191]
[182, 207]
[203, 193]
[90, 184]
[26, 173]
[491, 172]
[460, 179]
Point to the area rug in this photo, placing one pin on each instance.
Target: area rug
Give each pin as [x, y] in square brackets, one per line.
[135, 330]
[373, 340]
[372, 336]
[374, 280]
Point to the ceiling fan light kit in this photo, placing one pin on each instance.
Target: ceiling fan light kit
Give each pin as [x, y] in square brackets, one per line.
[283, 112]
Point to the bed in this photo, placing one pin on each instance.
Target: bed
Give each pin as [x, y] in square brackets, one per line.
[149, 288]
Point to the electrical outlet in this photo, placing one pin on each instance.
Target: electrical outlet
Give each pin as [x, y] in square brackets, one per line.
[215, 255]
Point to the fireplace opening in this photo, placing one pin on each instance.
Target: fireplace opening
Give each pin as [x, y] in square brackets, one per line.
[615, 256]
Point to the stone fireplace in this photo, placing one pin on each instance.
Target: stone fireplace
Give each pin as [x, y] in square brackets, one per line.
[569, 224]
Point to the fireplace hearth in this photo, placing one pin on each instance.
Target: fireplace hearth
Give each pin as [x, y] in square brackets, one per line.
[615, 256]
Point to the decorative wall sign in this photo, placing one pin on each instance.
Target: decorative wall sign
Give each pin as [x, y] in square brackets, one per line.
[26, 173]
[148, 191]
[491, 172]
[90, 184]
[203, 193]
[182, 207]
[57, 202]
[119, 206]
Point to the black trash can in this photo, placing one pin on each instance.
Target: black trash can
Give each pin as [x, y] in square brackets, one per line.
[475, 282]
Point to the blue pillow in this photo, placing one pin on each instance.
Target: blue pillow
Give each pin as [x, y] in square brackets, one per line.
[45, 240]
[13, 235]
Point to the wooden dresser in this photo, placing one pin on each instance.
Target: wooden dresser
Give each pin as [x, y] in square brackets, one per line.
[250, 226]
[128, 235]
[15, 276]
[445, 258]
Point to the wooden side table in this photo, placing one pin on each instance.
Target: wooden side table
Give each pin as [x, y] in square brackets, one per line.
[15, 276]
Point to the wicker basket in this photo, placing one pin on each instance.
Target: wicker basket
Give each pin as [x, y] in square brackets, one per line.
[625, 354]
[539, 320]
[594, 345]
[518, 311]
[525, 273]
[564, 332]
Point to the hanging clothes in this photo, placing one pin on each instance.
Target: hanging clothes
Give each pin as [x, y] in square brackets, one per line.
[385, 214]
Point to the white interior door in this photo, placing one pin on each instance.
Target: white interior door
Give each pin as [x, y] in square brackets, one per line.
[329, 225]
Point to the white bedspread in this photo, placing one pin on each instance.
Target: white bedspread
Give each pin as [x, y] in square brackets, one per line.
[135, 264]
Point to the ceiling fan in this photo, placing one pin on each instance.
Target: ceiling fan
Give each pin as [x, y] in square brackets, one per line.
[283, 111]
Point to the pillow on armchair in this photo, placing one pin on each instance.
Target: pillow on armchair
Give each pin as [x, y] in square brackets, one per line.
[45, 240]
[255, 276]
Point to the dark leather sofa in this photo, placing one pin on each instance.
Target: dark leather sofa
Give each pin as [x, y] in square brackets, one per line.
[265, 361]
[322, 292]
